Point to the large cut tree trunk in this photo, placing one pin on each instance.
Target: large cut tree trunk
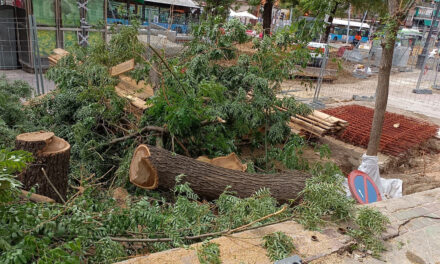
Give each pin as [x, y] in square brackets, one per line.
[383, 82]
[50, 153]
[153, 167]
[267, 17]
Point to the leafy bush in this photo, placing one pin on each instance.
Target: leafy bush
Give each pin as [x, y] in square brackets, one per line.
[278, 245]
[371, 224]
[81, 229]
[209, 253]
[13, 119]
[11, 162]
[324, 196]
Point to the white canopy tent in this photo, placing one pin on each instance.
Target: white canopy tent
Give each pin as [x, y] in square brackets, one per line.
[243, 14]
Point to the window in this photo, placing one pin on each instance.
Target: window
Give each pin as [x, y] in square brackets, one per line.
[164, 15]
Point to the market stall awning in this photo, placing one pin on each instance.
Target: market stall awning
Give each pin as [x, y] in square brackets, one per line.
[185, 3]
[242, 14]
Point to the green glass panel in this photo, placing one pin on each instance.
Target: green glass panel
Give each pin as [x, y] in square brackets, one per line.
[94, 37]
[95, 14]
[70, 39]
[46, 41]
[70, 13]
[44, 12]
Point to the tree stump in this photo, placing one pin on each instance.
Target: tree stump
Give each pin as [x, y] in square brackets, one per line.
[153, 167]
[50, 153]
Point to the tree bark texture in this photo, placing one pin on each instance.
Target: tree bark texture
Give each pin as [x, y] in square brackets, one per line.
[209, 181]
[267, 17]
[383, 82]
[330, 21]
[51, 153]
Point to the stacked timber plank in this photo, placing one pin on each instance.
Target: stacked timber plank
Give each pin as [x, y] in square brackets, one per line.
[317, 123]
[135, 92]
[56, 55]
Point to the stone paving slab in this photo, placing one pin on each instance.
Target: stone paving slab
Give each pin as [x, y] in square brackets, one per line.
[415, 239]
[245, 247]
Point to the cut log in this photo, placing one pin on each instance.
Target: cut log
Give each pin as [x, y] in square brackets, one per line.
[51, 153]
[122, 68]
[151, 167]
[36, 197]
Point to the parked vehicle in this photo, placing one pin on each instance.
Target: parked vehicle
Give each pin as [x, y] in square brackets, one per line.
[317, 51]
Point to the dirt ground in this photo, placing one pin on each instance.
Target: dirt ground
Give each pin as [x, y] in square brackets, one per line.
[419, 172]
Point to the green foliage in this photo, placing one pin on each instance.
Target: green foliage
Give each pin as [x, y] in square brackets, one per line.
[209, 253]
[12, 117]
[214, 79]
[217, 10]
[278, 245]
[49, 233]
[85, 109]
[371, 224]
[324, 196]
[11, 162]
[291, 155]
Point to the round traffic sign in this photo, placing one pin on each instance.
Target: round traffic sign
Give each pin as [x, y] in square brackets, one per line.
[363, 188]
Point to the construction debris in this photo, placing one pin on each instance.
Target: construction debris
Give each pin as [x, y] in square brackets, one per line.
[395, 139]
[136, 93]
[122, 68]
[56, 55]
[329, 75]
[317, 123]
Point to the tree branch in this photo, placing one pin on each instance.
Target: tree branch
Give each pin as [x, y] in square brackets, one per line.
[168, 67]
[143, 130]
[227, 232]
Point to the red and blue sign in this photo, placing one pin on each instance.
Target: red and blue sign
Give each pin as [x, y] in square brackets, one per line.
[362, 188]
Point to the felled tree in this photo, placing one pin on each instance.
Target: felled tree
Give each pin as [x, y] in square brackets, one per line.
[153, 167]
[215, 79]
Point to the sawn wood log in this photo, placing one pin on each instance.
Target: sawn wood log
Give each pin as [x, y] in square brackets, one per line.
[153, 167]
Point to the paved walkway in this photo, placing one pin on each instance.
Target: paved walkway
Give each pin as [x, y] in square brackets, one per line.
[412, 237]
[415, 237]
[13, 75]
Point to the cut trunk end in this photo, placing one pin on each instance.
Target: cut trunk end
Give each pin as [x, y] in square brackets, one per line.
[142, 172]
[50, 153]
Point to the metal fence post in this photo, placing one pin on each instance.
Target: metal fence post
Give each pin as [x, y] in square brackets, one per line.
[37, 47]
[32, 42]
